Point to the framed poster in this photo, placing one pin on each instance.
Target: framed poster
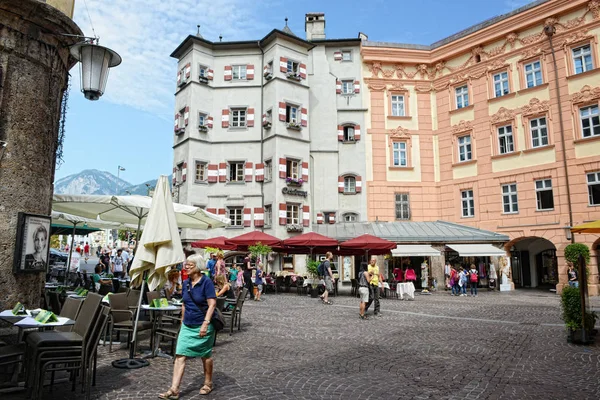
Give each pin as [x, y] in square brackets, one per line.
[33, 243]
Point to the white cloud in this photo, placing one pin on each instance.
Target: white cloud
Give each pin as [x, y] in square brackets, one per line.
[145, 32]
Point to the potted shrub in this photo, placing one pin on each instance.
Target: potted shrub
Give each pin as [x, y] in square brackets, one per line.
[571, 314]
[573, 251]
[294, 125]
[312, 268]
[259, 251]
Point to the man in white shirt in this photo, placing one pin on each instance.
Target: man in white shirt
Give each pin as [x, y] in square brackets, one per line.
[117, 264]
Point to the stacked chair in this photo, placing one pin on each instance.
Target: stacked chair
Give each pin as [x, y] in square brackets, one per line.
[73, 351]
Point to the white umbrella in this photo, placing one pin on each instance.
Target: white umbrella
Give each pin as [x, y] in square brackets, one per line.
[132, 210]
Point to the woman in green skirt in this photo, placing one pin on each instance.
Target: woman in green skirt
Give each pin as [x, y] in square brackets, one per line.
[197, 335]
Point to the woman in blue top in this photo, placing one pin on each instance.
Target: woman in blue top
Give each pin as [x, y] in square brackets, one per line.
[197, 335]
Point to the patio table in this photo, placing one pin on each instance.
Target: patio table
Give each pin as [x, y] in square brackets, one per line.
[406, 288]
[156, 315]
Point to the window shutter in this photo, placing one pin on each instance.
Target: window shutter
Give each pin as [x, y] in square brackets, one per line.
[227, 73]
[305, 171]
[304, 117]
[174, 176]
[250, 117]
[341, 133]
[264, 119]
[282, 113]
[356, 86]
[213, 173]
[223, 172]
[248, 172]
[357, 132]
[176, 122]
[209, 122]
[332, 218]
[283, 64]
[337, 56]
[338, 87]
[225, 118]
[282, 168]
[305, 215]
[186, 116]
[260, 172]
[302, 69]
[221, 211]
[319, 218]
[282, 214]
[249, 74]
[340, 184]
[188, 70]
[184, 172]
[259, 217]
[358, 184]
[178, 78]
[247, 217]
[210, 74]
[212, 210]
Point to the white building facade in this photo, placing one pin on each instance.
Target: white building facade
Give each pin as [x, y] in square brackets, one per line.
[268, 132]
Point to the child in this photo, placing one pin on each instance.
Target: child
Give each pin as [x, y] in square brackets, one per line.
[258, 283]
[462, 281]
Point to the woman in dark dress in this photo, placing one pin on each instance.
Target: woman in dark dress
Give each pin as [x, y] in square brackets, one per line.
[248, 275]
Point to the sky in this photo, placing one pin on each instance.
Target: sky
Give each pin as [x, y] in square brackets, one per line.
[132, 124]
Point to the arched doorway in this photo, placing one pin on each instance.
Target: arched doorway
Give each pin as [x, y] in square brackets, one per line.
[533, 262]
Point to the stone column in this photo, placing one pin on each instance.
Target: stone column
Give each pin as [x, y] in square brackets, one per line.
[34, 65]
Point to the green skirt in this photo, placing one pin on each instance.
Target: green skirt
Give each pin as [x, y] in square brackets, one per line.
[190, 344]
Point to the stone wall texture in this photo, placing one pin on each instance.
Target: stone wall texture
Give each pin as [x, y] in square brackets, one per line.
[34, 65]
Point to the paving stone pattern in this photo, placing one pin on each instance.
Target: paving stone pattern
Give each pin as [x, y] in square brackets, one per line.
[494, 346]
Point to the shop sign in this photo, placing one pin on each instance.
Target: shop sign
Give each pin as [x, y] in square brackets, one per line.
[294, 192]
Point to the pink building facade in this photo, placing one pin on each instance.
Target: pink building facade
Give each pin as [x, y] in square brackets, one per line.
[475, 130]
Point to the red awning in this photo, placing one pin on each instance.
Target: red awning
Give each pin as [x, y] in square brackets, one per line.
[216, 242]
[310, 239]
[368, 243]
[252, 238]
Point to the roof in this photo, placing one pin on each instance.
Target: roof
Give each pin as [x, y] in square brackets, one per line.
[458, 35]
[241, 44]
[441, 232]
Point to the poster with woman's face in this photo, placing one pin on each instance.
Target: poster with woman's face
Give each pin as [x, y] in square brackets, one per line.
[35, 238]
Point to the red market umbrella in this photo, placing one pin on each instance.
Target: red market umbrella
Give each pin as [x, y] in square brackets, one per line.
[216, 242]
[310, 239]
[252, 238]
[369, 244]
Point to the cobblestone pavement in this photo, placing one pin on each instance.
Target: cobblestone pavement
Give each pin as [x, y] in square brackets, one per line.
[495, 346]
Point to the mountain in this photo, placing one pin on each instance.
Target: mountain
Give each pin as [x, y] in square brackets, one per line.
[91, 181]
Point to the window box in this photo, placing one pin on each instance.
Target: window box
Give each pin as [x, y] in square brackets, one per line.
[294, 125]
[294, 228]
[267, 124]
[293, 75]
[203, 79]
[180, 131]
[268, 75]
[203, 128]
[294, 181]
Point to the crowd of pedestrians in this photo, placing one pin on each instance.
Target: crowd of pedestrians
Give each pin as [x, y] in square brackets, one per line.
[460, 278]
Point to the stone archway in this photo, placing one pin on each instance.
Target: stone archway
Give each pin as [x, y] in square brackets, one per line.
[534, 262]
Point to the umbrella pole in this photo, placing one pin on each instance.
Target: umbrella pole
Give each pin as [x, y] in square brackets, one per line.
[131, 362]
[70, 254]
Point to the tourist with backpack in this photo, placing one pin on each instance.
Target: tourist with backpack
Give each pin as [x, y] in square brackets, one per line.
[473, 280]
[454, 282]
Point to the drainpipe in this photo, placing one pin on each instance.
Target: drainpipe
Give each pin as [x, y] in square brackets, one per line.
[262, 129]
[550, 30]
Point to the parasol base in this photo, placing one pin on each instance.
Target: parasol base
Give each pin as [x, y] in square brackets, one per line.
[130, 363]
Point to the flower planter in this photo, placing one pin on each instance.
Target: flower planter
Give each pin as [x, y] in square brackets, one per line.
[203, 79]
[314, 292]
[267, 125]
[294, 126]
[293, 76]
[575, 336]
[268, 76]
[203, 128]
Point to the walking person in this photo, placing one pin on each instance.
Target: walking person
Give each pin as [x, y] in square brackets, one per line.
[239, 283]
[258, 283]
[117, 265]
[233, 275]
[197, 334]
[86, 251]
[210, 265]
[327, 277]
[473, 280]
[373, 270]
[363, 291]
[248, 275]
[220, 267]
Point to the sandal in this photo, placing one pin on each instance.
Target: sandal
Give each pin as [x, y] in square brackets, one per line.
[206, 389]
[169, 395]
[327, 302]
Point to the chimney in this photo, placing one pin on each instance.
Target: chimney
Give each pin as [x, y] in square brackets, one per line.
[314, 26]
